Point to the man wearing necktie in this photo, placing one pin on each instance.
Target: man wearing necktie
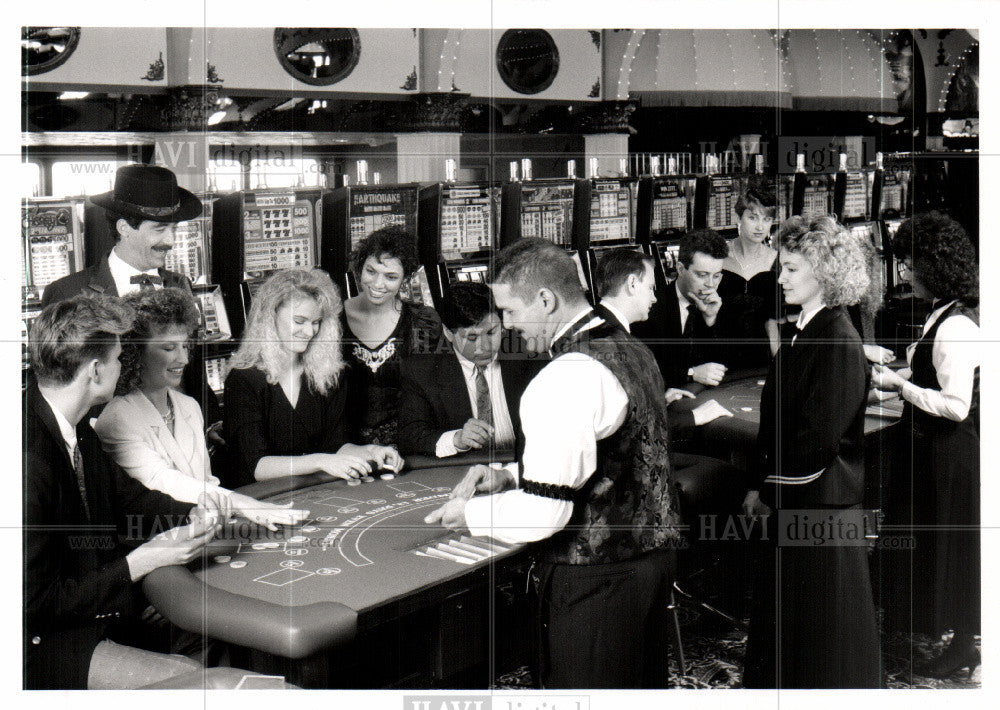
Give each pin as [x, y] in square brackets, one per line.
[467, 395]
[143, 211]
[682, 324]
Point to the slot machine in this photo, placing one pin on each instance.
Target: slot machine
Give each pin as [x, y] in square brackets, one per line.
[811, 194]
[352, 212]
[609, 222]
[52, 246]
[545, 209]
[715, 201]
[255, 232]
[457, 230]
[664, 212]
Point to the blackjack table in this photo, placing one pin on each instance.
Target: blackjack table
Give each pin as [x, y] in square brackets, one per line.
[363, 575]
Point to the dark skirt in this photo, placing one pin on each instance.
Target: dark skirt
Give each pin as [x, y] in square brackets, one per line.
[813, 622]
[934, 585]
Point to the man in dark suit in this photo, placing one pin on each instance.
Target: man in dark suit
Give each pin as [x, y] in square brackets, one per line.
[87, 525]
[467, 395]
[142, 211]
[682, 324]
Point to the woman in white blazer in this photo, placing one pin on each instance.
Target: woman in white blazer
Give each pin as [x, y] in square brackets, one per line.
[153, 431]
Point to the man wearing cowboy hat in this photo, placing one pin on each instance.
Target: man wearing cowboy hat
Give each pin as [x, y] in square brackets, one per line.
[143, 211]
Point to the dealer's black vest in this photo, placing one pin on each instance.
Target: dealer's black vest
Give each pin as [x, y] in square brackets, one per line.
[629, 505]
[924, 375]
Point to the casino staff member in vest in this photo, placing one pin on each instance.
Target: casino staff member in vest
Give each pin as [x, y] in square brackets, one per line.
[595, 479]
[142, 211]
[465, 395]
[938, 479]
[86, 523]
[682, 325]
[812, 623]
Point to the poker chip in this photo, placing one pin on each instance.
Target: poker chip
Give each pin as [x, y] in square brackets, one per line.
[367, 479]
[298, 538]
[310, 529]
[238, 564]
[259, 546]
[387, 476]
[222, 559]
[354, 482]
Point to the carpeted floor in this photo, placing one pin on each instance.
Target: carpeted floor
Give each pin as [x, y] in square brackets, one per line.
[715, 659]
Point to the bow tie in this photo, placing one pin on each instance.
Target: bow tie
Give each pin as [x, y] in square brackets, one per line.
[146, 280]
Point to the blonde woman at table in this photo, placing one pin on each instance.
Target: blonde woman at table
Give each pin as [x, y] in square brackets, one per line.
[152, 430]
[286, 412]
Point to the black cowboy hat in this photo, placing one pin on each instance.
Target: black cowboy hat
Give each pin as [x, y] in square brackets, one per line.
[149, 192]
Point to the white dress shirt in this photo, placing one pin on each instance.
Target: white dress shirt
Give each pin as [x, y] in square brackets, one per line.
[123, 272]
[503, 427]
[683, 305]
[574, 402]
[803, 320]
[67, 430]
[955, 355]
[618, 314]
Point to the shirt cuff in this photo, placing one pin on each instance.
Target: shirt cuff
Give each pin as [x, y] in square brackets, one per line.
[446, 444]
[479, 515]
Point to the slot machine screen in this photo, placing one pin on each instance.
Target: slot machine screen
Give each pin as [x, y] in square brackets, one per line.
[816, 202]
[892, 195]
[279, 232]
[856, 197]
[722, 195]
[467, 225]
[191, 239]
[670, 208]
[610, 211]
[470, 272]
[215, 369]
[215, 322]
[373, 207]
[51, 233]
[667, 255]
[547, 212]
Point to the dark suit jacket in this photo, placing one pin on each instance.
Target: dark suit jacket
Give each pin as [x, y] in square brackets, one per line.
[674, 353]
[678, 420]
[76, 579]
[434, 398]
[812, 415]
[97, 279]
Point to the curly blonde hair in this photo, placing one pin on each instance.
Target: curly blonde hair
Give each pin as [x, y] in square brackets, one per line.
[838, 260]
[260, 347]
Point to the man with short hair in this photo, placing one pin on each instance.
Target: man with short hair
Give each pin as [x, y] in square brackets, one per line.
[626, 286]
[595, 481]
[683, 323]
[142, 211]
[86, 522]
[467, 395]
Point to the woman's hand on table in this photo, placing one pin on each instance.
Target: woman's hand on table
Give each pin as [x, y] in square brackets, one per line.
[385, 457]
[708, 412]
[341, 465]
[265, 514]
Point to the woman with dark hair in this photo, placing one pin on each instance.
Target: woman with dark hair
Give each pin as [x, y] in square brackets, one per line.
[152, 430]
[939, 482]
[286, 410]
[751, 299]
[380, 329]
[813, 621]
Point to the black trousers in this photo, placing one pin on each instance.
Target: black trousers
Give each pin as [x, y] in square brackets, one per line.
[606, 625]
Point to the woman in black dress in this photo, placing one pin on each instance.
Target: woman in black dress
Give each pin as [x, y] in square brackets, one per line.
[751, 299]
[285, 405]
[813, 621]
[937, 488]
[380, 329]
